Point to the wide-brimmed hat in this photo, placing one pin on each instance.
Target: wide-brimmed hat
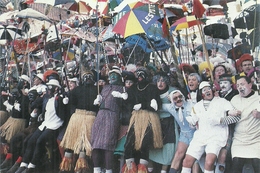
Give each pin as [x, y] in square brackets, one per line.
[25, 77]
[115, 69]
[40, 76]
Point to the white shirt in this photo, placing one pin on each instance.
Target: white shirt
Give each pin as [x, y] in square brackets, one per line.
[51, 120]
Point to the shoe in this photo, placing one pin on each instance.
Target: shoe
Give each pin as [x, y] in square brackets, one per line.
[20, 169]
[7, 164]
[131, 168]
[14, 168]
[142, 168]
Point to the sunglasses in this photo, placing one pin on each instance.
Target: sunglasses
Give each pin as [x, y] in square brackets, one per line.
[177, 97]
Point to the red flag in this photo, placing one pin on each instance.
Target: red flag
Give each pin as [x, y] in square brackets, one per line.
[165, 28]
[29, 2]
[198, 9]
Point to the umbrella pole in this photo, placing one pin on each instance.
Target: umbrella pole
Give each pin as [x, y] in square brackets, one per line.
[205, 49]
[133, 50]
[97, 46]
[152, 46]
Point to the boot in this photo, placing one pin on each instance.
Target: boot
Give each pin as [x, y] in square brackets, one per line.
[66, 163]
[7, 164]
[14, 168]
[81, 164]
[129, 166]
[142, 167]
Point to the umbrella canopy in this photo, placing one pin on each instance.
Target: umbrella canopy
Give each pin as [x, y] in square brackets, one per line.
[137, 20]
[31, 13]
[219, 30]
[185, 22]
[53, 2]
[222, 47]
[9, 32]
[251, 15]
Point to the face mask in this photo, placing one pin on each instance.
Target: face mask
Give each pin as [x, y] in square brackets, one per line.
[114, 79]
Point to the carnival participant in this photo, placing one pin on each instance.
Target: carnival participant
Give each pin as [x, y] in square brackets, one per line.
[18, 141]
[245, 64]
[164, 155]
[217, 71]
[194, 80]
[228, 92]
[77, 136]
[125, 115]
[144, 131]
[18, 106]
[54, 115]
[180, 109]
[105, 128]
[247, 133]
[211, 135]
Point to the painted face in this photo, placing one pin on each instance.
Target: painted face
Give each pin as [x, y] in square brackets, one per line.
[225, 86]
[114, 78]
[36, 81]
[193, 83]
[101, 82]
[141, 75]
[177, 99]
[161, 84]
[246, 66]
[219, 71]
[243, 87]
[128, 83]
[207, 93]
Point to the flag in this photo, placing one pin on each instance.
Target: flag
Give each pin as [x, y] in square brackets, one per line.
[29, 1]
[165, 28]
[198, 9]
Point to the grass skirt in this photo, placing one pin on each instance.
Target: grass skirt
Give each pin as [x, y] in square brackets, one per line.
[78, 133]
[3, 117]
[11, 127]
[141, 119]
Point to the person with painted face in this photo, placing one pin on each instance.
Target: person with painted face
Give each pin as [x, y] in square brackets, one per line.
[144, 131]
[54, 114]
[77, 136]
[18, 106]
[212, 130]
[165, 154]
[106, 124]
[245, 146]
[227, 92]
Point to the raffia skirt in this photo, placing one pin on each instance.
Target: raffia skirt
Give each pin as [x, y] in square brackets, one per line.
[11, 127]
[3, 117]
[140, 120]
[78, 133]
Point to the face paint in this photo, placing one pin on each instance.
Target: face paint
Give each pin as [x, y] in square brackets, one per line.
[243, 87]
[161, 83]
[225, 86]
[207, 93]
[88, 79]
[114, 78]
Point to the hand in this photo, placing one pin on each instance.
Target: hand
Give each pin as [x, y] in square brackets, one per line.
[256, 114]
[120, 95]
[234, 112]
[17, 106]
[98, 100]
[65, 100]
[33, 114]
[190, 120]
[6, 103]
[137, 107]
[154, 104]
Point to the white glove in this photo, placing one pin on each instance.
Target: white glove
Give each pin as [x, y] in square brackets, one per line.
[33, 114]
[40, 118]
[17, 106]
[120, 95]
[234, 112]
[137, 106]
[26, 91]
[6, 103]
[65, 100]
[98, 100]
[154, 104]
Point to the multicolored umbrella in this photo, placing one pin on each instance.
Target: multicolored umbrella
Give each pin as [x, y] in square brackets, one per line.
[137, 20]
[53, 2]
[185, 22]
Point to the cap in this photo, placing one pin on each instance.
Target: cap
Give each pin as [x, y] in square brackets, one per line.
[204, 84]
[54, 82]
[225, 77]
[25, 77]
